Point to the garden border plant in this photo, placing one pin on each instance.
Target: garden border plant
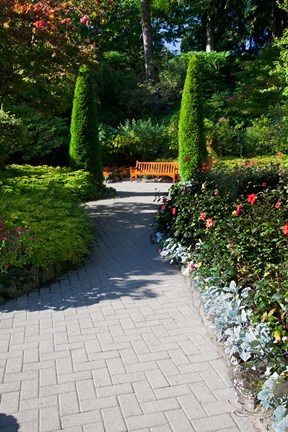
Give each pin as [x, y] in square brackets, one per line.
[234, 245]
[44, 226]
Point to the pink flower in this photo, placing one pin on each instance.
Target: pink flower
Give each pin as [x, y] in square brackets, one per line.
[85, 20]
[264, 184]
[252, 198]
[192, 267]
[285, 229]
[277, 205]
[203, 216]
[209, 223]
[173, 210]
[163, 207]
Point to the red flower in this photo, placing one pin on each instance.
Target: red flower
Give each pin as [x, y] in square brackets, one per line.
[264, 184]
[204, 166]
[192, 267]
[173, 210]
[164, 199]
[40, 24]
[252, 198]
[285, 229]
[187, 158]
[203, 216]
[209, 223]
[163, 207]
[277, 205]
[238, 209]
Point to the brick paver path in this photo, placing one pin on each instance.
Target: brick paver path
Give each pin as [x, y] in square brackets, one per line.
[115, 345]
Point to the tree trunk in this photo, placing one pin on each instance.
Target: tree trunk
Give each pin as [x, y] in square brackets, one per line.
[209, 29]
[279, 17]
[147, 39]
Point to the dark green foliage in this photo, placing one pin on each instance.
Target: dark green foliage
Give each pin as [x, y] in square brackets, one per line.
[141, 140]
[12, 135]
[48, 136]
[192, 148]
[85, 151]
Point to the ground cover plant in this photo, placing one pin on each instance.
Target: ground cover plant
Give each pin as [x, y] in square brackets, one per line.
[229, 228]
[42, 219]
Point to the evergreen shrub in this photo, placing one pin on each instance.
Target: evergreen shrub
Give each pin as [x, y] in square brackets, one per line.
[192, 147]
[85, 151]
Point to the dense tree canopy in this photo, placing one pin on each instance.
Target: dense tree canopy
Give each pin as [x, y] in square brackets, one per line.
[43, 42]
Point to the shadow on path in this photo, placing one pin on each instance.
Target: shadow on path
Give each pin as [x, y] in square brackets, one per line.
[8, 423]
[123, 261]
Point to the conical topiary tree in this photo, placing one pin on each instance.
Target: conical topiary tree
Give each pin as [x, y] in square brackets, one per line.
[192, 146]
[85, 150]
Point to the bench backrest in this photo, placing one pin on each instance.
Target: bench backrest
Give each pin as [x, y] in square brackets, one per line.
[161, 167]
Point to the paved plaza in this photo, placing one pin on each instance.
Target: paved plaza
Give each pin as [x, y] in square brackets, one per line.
[115, 345]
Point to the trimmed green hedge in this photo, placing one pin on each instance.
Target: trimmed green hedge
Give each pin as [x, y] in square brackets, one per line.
[42, 220]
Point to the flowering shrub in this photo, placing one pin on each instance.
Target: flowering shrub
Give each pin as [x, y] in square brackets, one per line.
[15, 247]
[232, 224]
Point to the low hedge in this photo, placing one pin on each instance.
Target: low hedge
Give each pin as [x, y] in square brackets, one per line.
[42, 218]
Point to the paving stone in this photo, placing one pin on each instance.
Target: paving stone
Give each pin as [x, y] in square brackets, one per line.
[192, 407]
[163, 428]
[178, 421]
[81, 419]
[113, 420]
[144, 391]
[68, 403]
[85, 389]
[49, 419]
[95, 427]
[145, 421]
[157, 379]
[202, 392]
[9, 402]
[129, 405]
[214, 423]
[113, 390]
[160, 405]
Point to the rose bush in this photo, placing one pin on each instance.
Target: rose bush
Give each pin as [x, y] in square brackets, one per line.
[231, 224]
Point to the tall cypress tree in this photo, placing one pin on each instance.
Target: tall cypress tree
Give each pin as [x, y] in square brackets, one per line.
[85, 150]
[192, 147]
